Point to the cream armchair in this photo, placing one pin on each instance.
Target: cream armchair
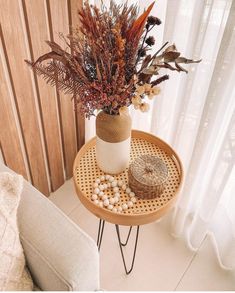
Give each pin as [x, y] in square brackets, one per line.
[59, 255]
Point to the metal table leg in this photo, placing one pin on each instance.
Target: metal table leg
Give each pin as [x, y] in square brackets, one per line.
[100, 233]
[121, 249]
[128, 236]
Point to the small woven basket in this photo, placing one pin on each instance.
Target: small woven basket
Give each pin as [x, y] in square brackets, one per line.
[148, 176]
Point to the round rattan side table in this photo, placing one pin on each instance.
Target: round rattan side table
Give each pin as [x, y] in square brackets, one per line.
[85, 171]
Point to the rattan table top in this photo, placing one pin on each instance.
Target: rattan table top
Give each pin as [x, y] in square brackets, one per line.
[85, 171]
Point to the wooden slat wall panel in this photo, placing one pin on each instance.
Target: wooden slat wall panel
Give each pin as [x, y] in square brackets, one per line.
[74, 22]
[43, 132]
[60, 23]
[17, 51]
[9, 137]
[39, 32]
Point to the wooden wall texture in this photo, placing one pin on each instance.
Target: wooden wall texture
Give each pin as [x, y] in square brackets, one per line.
[40, 133]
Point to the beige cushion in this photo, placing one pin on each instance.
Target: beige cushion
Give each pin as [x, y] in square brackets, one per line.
[13, 274]
[60, 256]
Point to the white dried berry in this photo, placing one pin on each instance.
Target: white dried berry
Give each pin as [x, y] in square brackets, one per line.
[114, 210]
[116, 198]
[101, 193]
[104, 197]
[96, 190]
[124, 206]
[114, 183]
[112, 200]
[106, 202]
[94, 196]
[119, 209]
[120, 183]
[128, 190]
[115, 189]
[133, 199]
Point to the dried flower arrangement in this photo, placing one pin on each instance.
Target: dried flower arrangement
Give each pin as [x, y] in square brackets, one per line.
[107, 64]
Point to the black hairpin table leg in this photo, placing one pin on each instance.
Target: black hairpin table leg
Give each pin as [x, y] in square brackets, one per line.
[100, 233]
[121, 245]
[128, 236]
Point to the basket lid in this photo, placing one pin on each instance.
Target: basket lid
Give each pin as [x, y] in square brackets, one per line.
[149, 170]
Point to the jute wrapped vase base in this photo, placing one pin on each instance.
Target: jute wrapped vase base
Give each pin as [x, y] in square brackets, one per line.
[113, 136]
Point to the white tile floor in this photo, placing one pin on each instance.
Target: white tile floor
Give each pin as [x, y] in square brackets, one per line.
[163, 263]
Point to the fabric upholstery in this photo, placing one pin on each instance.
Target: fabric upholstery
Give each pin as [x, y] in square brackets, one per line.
[59, 254]
[13, 273]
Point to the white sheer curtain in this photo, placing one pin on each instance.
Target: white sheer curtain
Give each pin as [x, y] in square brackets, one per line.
[195, 113]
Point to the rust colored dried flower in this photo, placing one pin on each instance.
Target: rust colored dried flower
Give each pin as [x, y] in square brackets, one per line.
[153, 20]
[150, 41]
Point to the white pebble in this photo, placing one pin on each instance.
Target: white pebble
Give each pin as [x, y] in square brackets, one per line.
[130, 204]
[111, 178]
[95, 185]
[94, 196]
[110, 207]
[120, 183]
[114, 183]
[112, 200]
[101, 187]
[115, 189]
[104, 197]
[97, 180]
[107, 177]
[102, 178]
[101, 194]
[124, 206]
[119, 209]
[101, 204]
[96, 190]
[106, 202]
[117, 194]
[128, 190]
[133, 199]
[116, 199]
[124, 187]
[105, 186]
[114, 210]
[96, 201]
[132, 194]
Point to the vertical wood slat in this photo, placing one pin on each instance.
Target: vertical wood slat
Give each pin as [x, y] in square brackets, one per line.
[60, 23]
[74, 22]
[25, 26]
[17, 51]
[39, 32]
[9, 137]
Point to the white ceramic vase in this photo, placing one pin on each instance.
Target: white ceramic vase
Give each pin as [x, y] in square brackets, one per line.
[113, 137]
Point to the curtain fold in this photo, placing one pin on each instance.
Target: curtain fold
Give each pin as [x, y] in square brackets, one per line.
[195, 113]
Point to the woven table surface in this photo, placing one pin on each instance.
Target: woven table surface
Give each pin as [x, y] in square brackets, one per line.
[85, 172]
